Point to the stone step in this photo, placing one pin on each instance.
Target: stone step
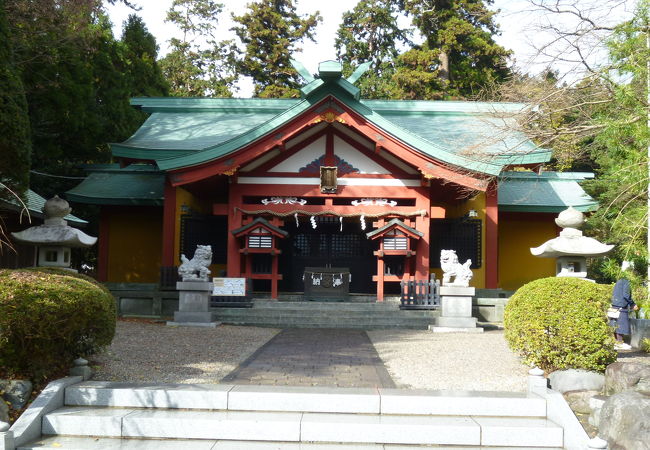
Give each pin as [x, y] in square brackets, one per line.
[431, 430]
[324, 314]
[85, 443]
[330, 319]
[299, 427]
[327, 305]
[308, 308]
[304, 399]
[173, 424]
[363, 327]
[317, 326]
[298, 309]
[261, 322]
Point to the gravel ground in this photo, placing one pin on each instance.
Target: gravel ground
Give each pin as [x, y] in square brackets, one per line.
[154, 352]
[450, 361]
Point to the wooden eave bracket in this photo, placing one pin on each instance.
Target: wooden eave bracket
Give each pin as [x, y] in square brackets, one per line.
[268, 230]
[408, 233]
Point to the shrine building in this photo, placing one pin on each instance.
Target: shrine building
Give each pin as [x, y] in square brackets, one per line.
[328, 180]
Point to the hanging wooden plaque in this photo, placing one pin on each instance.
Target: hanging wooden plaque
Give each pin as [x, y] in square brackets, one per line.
[328, 177]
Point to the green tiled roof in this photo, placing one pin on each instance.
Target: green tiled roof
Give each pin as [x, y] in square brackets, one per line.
[551, 192]
[138, 184]
[193, 131]
[35, 203]
[471, 135]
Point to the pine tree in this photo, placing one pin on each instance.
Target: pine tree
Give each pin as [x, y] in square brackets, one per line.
[140, 52]
[458, 48]
[197, 64]
[370, 32]
[270, 33]
[620, 149]
[73, 73]
[15, 144]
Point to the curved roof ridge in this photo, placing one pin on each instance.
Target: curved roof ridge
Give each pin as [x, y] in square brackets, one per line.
[480, 161]
[411, 139]
[192, 160]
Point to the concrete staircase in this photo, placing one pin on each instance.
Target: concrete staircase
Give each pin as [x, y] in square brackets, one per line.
[103, 415]
[358, 315]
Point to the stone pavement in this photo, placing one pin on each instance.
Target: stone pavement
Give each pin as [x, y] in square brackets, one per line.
[314, 357]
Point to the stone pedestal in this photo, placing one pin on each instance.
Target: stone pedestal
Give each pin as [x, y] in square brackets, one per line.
[194, 305]
[456, 316]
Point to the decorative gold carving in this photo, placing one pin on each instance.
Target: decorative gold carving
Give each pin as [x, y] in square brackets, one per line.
[329, 117]
[231, 172]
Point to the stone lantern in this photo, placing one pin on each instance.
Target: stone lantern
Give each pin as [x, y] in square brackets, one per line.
[55, 237]
[571, 248]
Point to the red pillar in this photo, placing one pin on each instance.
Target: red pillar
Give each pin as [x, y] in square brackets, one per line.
[491, 237]
[169, 226]
[234, 221]
[423, 224]
[380, 278]
[274, 275]
[104, 234]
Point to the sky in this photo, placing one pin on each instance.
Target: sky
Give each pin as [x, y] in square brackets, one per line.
[519, 28]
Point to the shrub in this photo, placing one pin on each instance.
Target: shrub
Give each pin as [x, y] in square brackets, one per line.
[49, 319]
[645, 345]
[67, 273]
[560, 323]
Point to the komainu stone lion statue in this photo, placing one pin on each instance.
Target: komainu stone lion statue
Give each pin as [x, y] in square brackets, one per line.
[197, 267]
[452, 268]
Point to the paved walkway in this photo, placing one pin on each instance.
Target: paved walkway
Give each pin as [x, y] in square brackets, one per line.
[314, 357]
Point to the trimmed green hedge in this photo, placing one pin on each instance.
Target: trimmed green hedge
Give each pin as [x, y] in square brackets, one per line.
[560, 323]
[47, 319]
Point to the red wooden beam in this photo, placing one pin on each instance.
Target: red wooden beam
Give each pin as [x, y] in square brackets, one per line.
[336, 209]
[395, 171]
[313, 190]
[233, 265]
[429, 167]
[491, 238]
[285, 154]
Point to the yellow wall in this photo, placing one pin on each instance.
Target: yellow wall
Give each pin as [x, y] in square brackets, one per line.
[476, 203]
[518, 232]
[134, 244]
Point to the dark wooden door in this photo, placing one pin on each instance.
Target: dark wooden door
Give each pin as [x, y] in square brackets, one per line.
[328, 246]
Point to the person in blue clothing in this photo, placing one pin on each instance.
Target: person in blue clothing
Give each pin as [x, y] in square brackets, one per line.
[622, 300]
